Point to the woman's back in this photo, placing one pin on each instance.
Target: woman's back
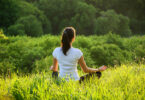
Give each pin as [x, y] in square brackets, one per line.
[68, 63]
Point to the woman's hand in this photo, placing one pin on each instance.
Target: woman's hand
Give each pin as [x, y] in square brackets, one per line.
[54, 67]
[102, 68]
[51, 67]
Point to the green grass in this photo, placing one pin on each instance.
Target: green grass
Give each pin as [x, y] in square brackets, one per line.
[125, 82]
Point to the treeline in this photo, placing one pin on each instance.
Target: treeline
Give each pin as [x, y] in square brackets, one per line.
[38, 17]
[24, 54]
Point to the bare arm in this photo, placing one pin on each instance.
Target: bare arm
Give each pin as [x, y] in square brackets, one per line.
[54, 67]
[86, 69]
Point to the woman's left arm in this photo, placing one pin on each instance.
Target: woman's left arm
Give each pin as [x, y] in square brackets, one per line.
[54, 67]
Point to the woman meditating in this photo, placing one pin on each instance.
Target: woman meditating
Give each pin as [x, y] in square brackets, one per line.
[67, 57]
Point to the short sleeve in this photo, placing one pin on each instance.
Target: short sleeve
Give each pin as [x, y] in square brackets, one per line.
[54, 53]
[79, 54]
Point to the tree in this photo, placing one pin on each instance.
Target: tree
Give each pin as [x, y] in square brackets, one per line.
[84, 20]
[133, 9]
[110, 21]
[16, 29]
[32, 26]
[27, 9]
[8, 12]
[64, 13]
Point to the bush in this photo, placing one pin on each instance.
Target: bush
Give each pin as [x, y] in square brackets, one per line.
[140, 52]
[6, 68]
[107, 54]
[88, 58]
[42, 64]
[23, 54]
[29, 54]
[83, 42]
[2, 36]
[115, 39]
[49, 43]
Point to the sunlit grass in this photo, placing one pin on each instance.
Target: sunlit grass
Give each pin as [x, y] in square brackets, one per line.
[125, 82]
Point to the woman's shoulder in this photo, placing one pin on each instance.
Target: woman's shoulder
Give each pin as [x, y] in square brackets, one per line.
[77, 49]
[78, 52]
[57, 48]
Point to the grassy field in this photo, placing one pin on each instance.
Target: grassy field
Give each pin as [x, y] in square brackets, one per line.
[125, 82]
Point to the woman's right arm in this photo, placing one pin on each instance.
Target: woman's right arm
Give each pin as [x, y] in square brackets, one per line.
[86, 69]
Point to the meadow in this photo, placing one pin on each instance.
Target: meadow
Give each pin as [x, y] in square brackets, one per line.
[109, 32]
[125, 82]
[25, 63]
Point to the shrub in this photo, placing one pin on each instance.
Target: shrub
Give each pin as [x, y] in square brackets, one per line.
[2, 36]
[115, 39]
[87, 56]
[6, 68]
[23, 54]
[82, 42]
[29, 54]
[107, 54]
[42, 64]
[49, 43]
[140, 52]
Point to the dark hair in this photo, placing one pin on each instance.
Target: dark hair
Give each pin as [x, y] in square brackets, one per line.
[67, 36]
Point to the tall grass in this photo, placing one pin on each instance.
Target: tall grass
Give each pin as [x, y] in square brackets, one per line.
[125, 82]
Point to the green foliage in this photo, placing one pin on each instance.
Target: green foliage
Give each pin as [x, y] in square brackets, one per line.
[23, 54]
[32, 26]
[84, 13]
[87, 16]
[115, 39]
[107, 54]
[16, 29]
[42, 65]
[6, 68]
[35, 54]
[27, 9]
[2, 36]
[123, 26]
[133, 9]
[140, 53]
[8, 12]
[110, 21]
[137, 26]
[76, 15]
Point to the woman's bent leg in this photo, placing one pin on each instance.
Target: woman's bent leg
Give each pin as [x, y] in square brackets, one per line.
[55, 74]
[88, 76]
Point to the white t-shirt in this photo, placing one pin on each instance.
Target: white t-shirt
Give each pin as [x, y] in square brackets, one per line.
[68, 63]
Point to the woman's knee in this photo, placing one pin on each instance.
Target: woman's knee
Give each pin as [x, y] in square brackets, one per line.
[99, 74]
